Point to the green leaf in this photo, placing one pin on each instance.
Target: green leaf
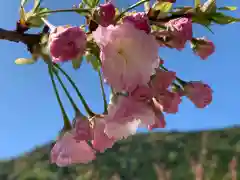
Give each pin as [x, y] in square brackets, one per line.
[182, 10]
[201, 20]
[42, 12]
[23, 2]
[81, 5]
[163, 6]
[197, 3]
[96, 2]
[34, 19]
[91, 58]
[76, 63]
[209, 6]
[146, 6]
[91, 3]
[36, 6]
[228, 8]
[222, 19]
[23, 61]
[22, 15]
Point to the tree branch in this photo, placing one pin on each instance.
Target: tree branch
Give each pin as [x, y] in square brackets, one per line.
[28, 39]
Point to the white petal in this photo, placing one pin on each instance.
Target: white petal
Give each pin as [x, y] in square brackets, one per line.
[120, 131]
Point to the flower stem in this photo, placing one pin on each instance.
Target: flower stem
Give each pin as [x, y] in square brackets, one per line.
[103, 92]
[130, 8]
[67, 124]
[88, 110]
[67, 93]
[78, 10]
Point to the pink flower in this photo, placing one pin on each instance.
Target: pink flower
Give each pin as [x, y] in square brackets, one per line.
[181, 32]
[126, 116]
[162, 80]
[140, 21]
[101, 141]
[203, 48]
[67, 43]
[127, 55]
[68, 151]
[200, 94]
[142, 93]
[169, 101]
[82, 130]
[107, 14]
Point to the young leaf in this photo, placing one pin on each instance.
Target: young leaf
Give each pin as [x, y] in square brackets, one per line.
[91, 58]
[146, 6]
[182, 10]
[209, 6]
[42, 12]
[23, 61]
[34, 19]
[163, 6]
[91, 3]
[36, 5]
[22, 15]
[222, 19]
[203, 20]
[197, 3]
[228, 8]
[23, 2]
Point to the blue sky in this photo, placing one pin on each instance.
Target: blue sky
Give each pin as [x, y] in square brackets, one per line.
[29, 111]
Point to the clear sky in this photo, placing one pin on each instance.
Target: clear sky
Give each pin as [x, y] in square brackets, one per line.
[29, 111]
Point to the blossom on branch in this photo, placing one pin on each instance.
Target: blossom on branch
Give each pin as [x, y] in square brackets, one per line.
[127, 55]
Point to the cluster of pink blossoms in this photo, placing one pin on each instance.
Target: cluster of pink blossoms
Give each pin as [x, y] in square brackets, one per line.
[131, 66]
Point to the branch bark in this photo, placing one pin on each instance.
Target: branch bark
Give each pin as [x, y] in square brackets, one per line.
[28, 39]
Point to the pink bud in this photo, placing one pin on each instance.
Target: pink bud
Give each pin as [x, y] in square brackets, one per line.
[67, 43]
[162, 80]
[169, 101]
[140, 21]
[107, 14]
[82, 130]
[200, 94]
[203, 48]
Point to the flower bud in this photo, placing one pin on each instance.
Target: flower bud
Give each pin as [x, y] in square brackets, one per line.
[107, 14]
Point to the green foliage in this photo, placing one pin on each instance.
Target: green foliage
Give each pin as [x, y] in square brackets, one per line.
[91, 58]
[33, 17]
[209, 6]
[223, 19]
[91, 3]
[163, 6]
[197, 3]
[228, 8]
[139, 157]
[76, 63]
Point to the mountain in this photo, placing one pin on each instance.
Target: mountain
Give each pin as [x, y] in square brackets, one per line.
[149, 156]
